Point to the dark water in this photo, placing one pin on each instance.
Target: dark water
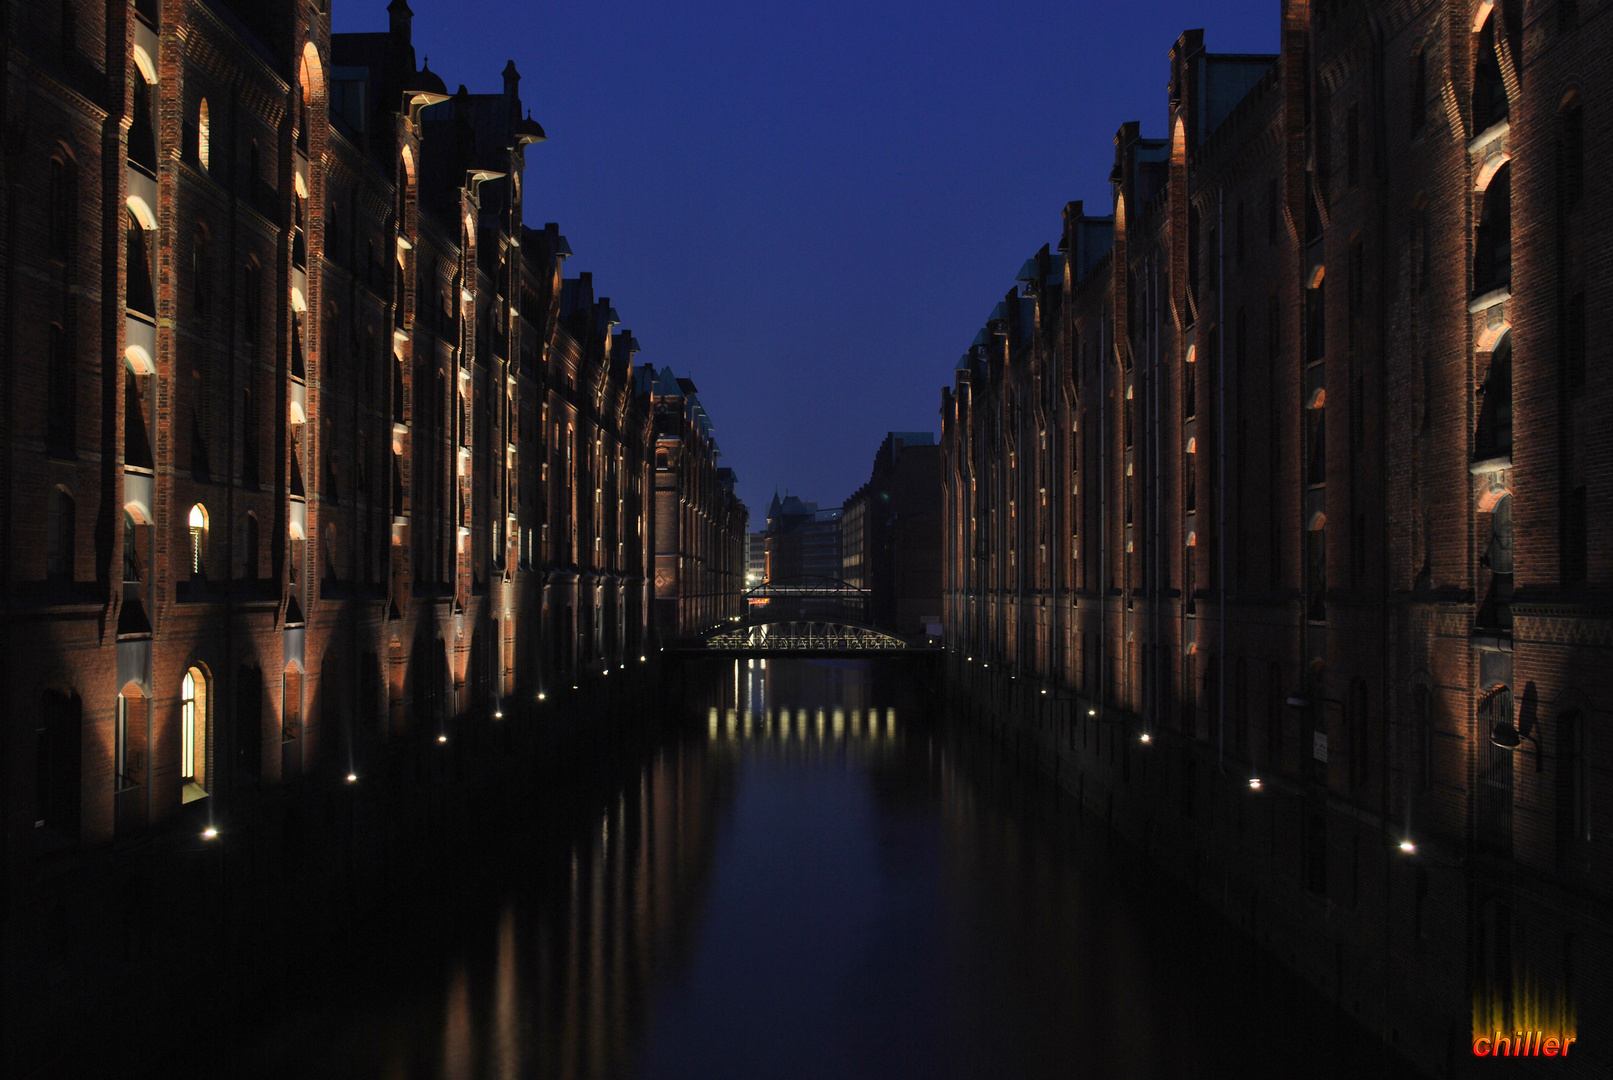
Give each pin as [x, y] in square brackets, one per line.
[818, 876]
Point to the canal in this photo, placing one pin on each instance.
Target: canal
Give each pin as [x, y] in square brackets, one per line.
[812, 871]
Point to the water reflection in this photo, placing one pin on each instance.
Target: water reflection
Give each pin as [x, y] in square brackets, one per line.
[820, 877]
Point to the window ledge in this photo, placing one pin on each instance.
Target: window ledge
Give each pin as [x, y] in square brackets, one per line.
[1487, 300]
[191, 792]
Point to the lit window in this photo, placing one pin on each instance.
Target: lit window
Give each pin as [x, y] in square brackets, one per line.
[198, 539]
[203, 133]
[193, 734]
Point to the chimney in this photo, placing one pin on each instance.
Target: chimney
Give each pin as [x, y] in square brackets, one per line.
[512, 91]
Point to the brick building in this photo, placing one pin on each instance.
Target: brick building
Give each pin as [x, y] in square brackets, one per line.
[310, 450]
[891, 535]
[700, 524]
[1161, 556]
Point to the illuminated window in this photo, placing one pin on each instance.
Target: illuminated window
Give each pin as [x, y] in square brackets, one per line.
[193, 734]
[203, 135]
[198, 540]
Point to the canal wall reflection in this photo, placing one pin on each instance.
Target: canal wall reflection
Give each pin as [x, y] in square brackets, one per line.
[813, 871]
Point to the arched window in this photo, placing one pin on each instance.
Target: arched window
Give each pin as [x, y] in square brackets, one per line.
[663, 461]
[201, 274]
[249, 439]
[142, 130]
[1316, 570]
[193, 734]
[61, 414]
[138, 292]
[252, 301]
[1190, 485]
[198, 541]
[249, 571]
[61, 515]
[1489, 89]
[63, 208]
[1492, 246]
[1494, 435]
[204, 137]
[1495, 779]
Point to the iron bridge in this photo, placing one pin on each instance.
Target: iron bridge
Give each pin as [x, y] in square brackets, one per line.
[820, 637]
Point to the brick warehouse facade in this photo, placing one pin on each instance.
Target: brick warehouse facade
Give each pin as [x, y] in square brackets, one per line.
[1174, 576]
[311, 451]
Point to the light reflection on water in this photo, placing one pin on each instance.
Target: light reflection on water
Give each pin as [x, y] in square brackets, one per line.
[821, 880]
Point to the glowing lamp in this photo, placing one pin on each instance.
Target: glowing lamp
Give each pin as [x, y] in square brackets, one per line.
[209, 833]
[1408, 847]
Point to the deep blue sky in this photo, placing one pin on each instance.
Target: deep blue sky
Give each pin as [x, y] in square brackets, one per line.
[810, 209]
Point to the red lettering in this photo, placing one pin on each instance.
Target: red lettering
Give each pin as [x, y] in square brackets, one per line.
[1481, 1047]
[1551, 1047]
[1566, 1044]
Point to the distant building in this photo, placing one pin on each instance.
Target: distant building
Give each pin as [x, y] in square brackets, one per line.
[803, 548]
[891, 533]
[755, 559]
[699, 524]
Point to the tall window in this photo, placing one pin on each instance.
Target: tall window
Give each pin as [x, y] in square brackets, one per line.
[1189, 571]
[193, 732]
[1492, 246]
[1494, 434]
[201, 275]
[252, 301]
[1190, 384]
[1571, 157]
[249, 439]
[198, 541]
[142, 132]
[63, 207]
[1489, 89]
[250, 570]
[61, 523]
[62, 405]
[1495, 779]
[204, 136]
[1316, 573]
[1190, 473]
[138, 291]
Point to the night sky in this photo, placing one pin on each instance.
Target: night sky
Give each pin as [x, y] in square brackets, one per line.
[811, 211]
